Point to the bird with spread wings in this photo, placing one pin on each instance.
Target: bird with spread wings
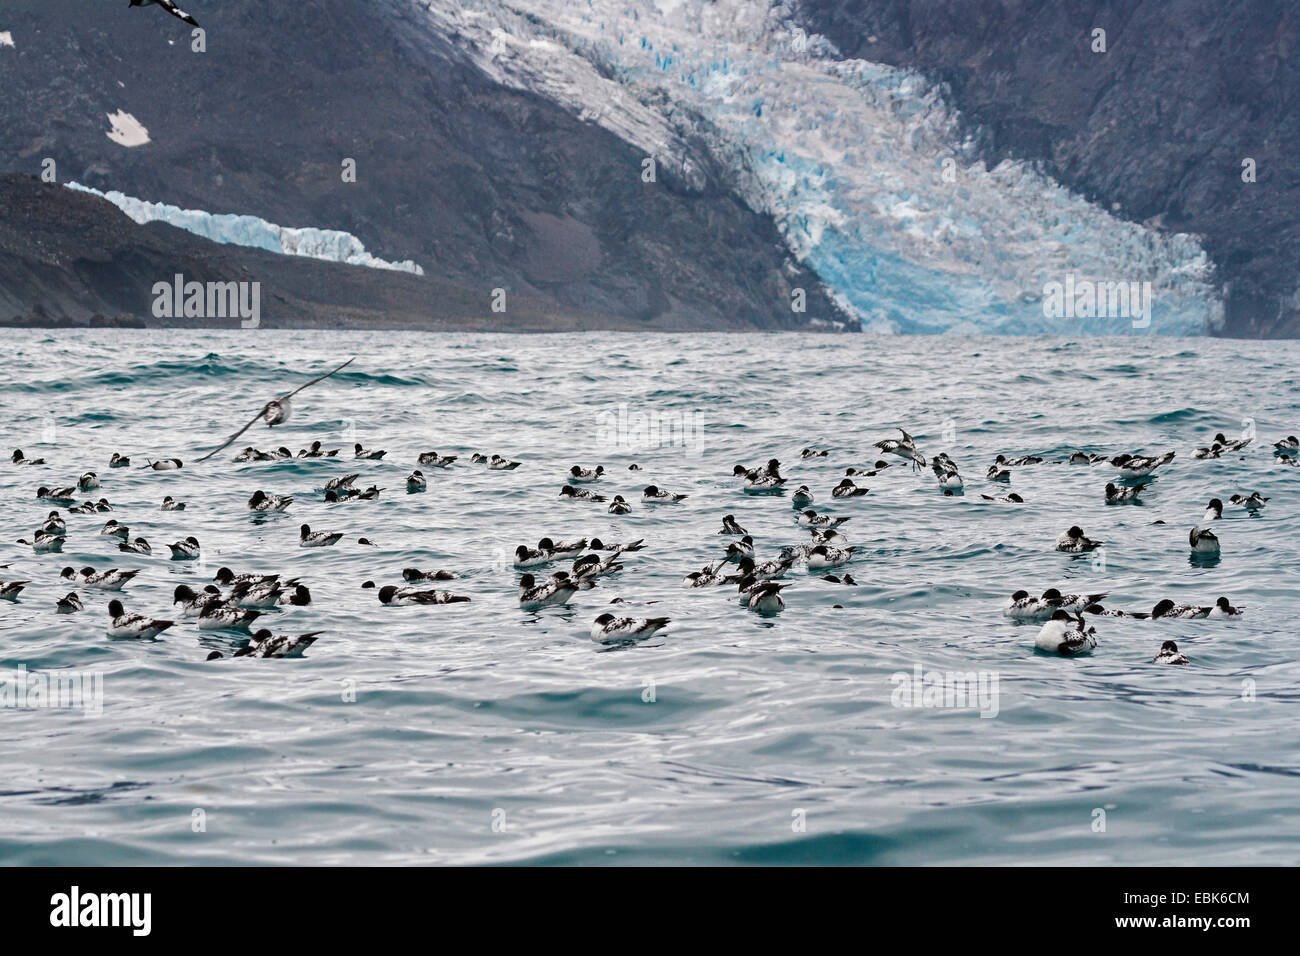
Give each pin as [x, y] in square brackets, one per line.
[277, 410]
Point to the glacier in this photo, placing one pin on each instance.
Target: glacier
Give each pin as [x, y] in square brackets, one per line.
[862, 166]
[331, 245]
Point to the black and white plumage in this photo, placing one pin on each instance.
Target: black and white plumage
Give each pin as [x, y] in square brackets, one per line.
[811, 519]
[998, 473]
[580, 475]
[1022, 606]
[847, 489]
[297, 596]
[708, 576]
[607, 629]
[121, 624]
[316, 450]
[619, 506]
[186, 550]
[277, 411]
[54, 524]
[1005, 462]
[59, 496]
[70, 603]
[945, 470]
[317, 539]
[765, 570]
[216, 616]
[1213, 510]
[1169, 654]
[135, 546]
[266, 644]
[762, 483]
[813, 453]
[1099, 611]
[88, 482]
[1075, 541]
[580, 494]
[904, 448]
[497, 463]
[1252, 502]
[1287, 446]
[828, 556]
[802, 498]
[164, 464]
[416, 482]
[1224, 608]
[763, 596]
[367, 454]
[1139, 466]
[1120, 493]
[557, 590]
[1067, 635]
[112, 529]
[43, 542]
[1167, 609]
[1084, 458]
[19, 458]
[256, 594]
[108, 580]
[171, 504]
[261, 501]
[415, 575]
[119, 461]
[591, 566]
[653, 495]
[193, 602]
[393, 596]
[170, 7]
[741, 548]
[431, 459]
[731, 526]
[840, 579]
[1203, 541]
[1012, 498]
[597, 544]
[226, 577]
[9, 590]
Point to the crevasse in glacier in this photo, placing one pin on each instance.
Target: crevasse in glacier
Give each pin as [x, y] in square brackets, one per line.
[328, 244]
[861, 165]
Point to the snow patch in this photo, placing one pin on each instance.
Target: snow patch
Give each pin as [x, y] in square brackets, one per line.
[6, 38]
[127, 130]
[330, 245]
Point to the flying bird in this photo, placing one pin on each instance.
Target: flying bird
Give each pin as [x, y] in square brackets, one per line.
[277, 410]
[170, 7]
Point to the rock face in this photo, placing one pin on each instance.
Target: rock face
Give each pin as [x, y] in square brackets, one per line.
[1157, 127]
[484, 187]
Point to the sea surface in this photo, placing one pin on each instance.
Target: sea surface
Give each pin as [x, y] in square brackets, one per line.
[478, 733]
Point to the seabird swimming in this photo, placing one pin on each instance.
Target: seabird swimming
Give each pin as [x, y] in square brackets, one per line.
[653, 495]
[261, 501]
[619, 506]
[801, 498]
[598, 545]
[580, 494]
[43, 543]
[121, 624]
[59, 496]
[1023, 607]
[1006, 462]
[88, 482]
[415, 575]
[298, 596]
[164, 464]
[761, 482]
[1169, 654]
[1083, 458]
[317, 451]
[1168, 609]
[276, 411]
[608, 629]
[730, 526]
[1012, 498]
[20, 459]
[367, 453]
[555, 591]
[317, 539]
[54, 524]
[497, 463]
[945, 470]
[431, 459]
[119, 461]
[215, 616]
[112, 529]
[1066, 635]
[136, 546]
[192, 603]
[1203, 541]
[171, 504]
[579, 475]
[763, 596]
[404, 597]
[742, 548]
[227, 577]
[811, 519]
[1116, 493]
[707, 576]
[1253, 502]
[416, 482]
[9, 590]
[1074, 541]
[1139, 466]
[826, 556]
[1287, 446]
[187, 550]
[264, 644]
[1213, 510]
[996, 473]
[840, 579]
[768, 569]
[69, 604]
[109, 580]
[847, 489]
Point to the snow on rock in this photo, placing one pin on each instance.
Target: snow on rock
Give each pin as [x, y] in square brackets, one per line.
[329, 244]
[862, 166]
[6, 38]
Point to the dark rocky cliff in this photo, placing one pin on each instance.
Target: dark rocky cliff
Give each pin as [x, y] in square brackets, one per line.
[1159, 124]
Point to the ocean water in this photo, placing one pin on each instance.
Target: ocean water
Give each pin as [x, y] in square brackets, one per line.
[480, 733]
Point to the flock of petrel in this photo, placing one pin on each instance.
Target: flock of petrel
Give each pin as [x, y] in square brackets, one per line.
[236, 600]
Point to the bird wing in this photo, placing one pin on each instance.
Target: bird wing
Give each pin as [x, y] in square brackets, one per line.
[262, 410]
